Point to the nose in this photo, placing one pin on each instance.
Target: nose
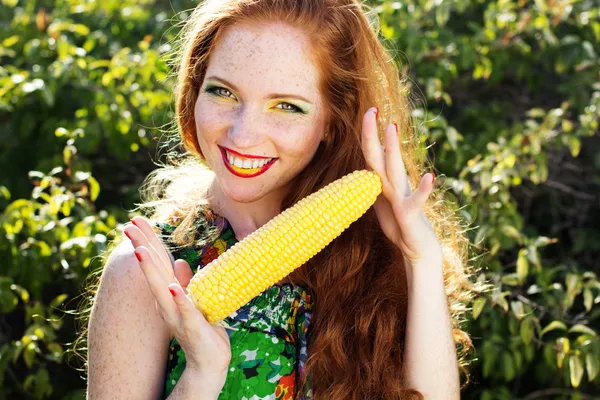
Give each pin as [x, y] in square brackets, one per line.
[248, 129]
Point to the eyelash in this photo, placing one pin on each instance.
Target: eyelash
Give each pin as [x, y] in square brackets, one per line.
[214, 90]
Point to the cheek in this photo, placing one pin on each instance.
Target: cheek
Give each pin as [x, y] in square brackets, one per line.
[210, 118]
[296, 139]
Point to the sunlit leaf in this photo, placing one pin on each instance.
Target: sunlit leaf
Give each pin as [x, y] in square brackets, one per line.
[575, 369]
[553, 326]
[592, 365]
[478, 305]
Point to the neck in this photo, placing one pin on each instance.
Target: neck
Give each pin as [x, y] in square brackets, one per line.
[244, 218]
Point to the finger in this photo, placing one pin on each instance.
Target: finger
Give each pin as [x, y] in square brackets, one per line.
[157, 245]
[191, 316]
[157, 284]
[371, 145]
[138, 239]
[183, 273]
[394, 164]
[417, 200]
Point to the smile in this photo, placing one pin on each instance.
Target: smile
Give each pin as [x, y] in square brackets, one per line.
[245, 167]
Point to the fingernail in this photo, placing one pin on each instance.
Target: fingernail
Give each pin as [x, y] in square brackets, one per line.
[127, 234]
[172, 292]
[432, 177]
[376, 112]
[132, 221]
[396, 125]
[138, 256]
[384, 149]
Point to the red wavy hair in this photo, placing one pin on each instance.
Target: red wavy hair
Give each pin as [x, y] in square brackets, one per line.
[358, 282]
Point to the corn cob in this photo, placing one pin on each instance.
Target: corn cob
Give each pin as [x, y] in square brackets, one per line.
[280, 246]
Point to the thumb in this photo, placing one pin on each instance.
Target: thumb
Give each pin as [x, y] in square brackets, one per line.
[183, 273]
[417, 200]
[186, 308]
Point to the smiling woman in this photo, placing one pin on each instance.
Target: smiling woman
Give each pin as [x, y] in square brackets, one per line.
[239, 108]
[275, 100]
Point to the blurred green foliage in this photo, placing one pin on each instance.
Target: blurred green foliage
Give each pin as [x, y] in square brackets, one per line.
[507, 95]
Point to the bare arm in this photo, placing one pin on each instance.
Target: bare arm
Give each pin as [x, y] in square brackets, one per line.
[430, 363]
[128, 339]
[191, 386]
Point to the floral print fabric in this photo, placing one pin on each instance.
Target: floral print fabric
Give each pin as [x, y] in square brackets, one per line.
[269, 347]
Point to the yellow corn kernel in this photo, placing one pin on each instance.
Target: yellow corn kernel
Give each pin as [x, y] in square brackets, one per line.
[283, 244]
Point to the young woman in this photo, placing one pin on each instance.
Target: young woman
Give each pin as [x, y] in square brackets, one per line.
[276, 99]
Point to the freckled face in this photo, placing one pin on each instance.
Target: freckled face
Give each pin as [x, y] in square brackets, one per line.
[259, 98]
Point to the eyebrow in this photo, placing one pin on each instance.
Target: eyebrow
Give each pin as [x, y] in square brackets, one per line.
[271, 96]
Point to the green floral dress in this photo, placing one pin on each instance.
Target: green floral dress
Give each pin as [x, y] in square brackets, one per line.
[269, 349]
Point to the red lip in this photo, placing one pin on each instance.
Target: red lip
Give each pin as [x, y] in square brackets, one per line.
[262, 170]
[242, 154]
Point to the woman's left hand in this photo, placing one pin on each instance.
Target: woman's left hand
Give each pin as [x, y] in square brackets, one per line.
[399, 211]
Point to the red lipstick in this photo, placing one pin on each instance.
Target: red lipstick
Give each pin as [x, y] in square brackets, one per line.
[245, 172]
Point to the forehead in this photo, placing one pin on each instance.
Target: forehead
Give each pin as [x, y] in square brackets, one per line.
[266, 57]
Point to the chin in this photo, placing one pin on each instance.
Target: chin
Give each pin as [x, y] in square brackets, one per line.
[243, 196]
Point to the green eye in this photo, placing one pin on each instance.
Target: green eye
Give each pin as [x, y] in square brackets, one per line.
[290, 107]
[220, 91]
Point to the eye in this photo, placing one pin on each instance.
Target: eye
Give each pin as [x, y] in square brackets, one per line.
[220, 91]
[289, 107]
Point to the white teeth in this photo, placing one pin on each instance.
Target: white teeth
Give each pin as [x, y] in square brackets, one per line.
[246, 163]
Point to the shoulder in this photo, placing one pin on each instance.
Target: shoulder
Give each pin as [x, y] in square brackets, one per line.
[121, 259]
[124, 302]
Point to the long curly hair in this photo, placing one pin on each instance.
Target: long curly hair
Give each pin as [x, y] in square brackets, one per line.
[358, 282]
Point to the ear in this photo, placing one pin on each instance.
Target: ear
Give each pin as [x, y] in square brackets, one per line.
[326, 133]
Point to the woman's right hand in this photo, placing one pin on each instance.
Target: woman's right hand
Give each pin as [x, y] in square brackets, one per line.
[206, 347]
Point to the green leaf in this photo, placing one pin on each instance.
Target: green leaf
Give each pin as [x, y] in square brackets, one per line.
[453, 137]
[512, 232]
[490, 354]
[517, 308]
[542, 241]
[522, 266]
[29, 354]
[67, 155]
[94, 188]
[575, 369]
[574, 145]
[58, 300]
[60, 132]
[478, 305]
[9, 41]
[56, 351]
[527, 330]
[553, 326]
[510, 279]
[572, 280]
[580, 328]
[588, 299]
[442, 13]
[508, 366]
[23, 293]
[5, 192]
[592, 365]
